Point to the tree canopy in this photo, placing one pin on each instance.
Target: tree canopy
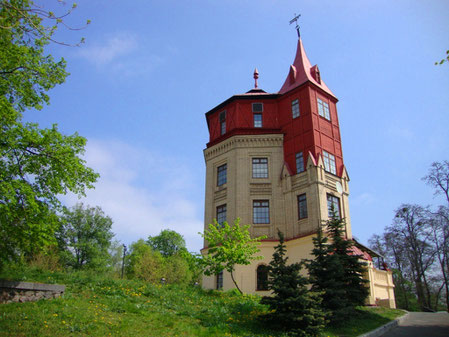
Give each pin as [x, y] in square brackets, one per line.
[36, 164]
[416, 245]
[168, 242]
[84, 237]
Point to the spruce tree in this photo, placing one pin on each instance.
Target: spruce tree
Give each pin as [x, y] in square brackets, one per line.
[293, 306]
[336, 272]
[353, 268]
[326, 275]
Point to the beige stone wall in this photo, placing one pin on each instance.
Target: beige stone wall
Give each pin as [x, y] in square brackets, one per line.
[381, 287]
[246, 276]
[241, 189]
[280, 188]
[381, 281]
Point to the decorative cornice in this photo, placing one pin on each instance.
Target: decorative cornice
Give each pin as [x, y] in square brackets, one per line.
[242, 141]
[244, 132]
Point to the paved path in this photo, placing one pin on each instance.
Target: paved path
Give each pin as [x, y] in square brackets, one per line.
[422, 324]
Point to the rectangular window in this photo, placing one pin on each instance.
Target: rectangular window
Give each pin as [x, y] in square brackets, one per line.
[295, 108]
[222, 122]
[323, 109]
[219, 280]
[299, 162]
[329, 162]
[261, 211]
[257, 120]
[221, 214]
[222, 174]
[302, 206]
[260, 167]
[333, 205]
[262, 277]
[257, 107]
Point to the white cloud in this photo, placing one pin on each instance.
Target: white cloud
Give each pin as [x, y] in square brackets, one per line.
[362, 199]
[143, 192]
[111, 49]
[123, 54]
[400, 133]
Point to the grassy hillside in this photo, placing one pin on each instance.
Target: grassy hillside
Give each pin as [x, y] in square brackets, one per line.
[98, 306]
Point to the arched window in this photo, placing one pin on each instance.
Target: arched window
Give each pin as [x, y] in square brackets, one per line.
[262, 277]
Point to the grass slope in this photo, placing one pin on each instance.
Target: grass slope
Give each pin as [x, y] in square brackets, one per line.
[97, 306]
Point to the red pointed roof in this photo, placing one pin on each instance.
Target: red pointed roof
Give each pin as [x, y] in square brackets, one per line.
[302, 71]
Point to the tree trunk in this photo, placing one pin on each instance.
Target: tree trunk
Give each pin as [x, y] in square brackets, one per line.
[437, 297]
[233, 280]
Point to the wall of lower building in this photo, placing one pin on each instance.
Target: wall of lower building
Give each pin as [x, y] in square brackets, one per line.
[381, 287]
[380, 281]
[246, 276]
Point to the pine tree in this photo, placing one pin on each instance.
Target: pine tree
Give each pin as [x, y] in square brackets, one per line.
[336, 272]
[294, 307]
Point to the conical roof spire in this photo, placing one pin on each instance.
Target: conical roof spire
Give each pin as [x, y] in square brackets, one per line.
[256, 76]
[302, 71]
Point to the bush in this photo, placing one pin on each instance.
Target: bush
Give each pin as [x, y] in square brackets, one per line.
[47, 260]
[177, 270]
[149, 265]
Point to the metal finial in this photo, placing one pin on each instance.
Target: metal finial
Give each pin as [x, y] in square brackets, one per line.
[295, 19]
[256, 76]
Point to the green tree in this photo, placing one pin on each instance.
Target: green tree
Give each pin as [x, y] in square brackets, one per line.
[168, 242]
[85, 236]
[293, 306]
[148, 264]
[336, 272]
[176, 270]
[36, 165]
[144, 263]
[229, 246]
[194, 261]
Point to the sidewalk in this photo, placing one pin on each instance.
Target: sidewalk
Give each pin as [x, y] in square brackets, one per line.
[422, 324]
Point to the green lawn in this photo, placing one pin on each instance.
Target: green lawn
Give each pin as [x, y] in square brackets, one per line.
[97, 306]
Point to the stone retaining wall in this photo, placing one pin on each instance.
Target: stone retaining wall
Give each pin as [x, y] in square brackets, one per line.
[16, 291]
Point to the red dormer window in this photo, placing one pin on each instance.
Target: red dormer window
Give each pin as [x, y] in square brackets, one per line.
[316, 73]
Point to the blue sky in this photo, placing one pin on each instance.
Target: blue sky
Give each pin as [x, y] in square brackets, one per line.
[149, 70]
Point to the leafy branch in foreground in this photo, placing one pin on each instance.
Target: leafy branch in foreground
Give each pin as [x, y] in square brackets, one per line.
[446, 59]
[36, 165]
[27, 16]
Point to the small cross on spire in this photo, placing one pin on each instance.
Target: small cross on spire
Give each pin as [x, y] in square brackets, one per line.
[295, 19]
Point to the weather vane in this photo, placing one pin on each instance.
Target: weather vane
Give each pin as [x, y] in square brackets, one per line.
[295, 19]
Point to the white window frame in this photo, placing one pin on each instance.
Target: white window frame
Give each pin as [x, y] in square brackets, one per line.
[323, 109]
[299, 162]
[295, 109]
[329, 162]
